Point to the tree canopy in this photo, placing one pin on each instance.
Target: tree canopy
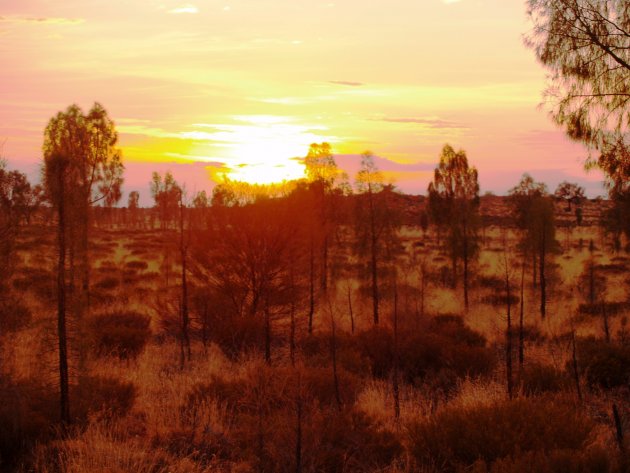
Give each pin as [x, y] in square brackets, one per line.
[585, 44]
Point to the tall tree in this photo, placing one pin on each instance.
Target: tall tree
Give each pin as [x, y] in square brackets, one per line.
[87, 144]
[534, 216]
[377, 224]
[586, 46]
[454, 204]
[58, 181]
[133, 205]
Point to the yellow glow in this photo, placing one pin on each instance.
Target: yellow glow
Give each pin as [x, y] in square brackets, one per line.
[261, 149]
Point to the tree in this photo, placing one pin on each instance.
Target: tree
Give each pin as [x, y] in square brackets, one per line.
[58, 180]
[377, 223]
[321, 174]
[17, 201]
[571, 194]
[166, 193]
[586, 46]
[534, 216]
[454, 204]
[133, 205]
[93, 165]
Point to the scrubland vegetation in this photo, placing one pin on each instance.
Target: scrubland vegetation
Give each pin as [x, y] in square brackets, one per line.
[248, 335]
[326, 324]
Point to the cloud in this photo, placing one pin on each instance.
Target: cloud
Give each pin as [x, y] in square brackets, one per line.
[429, 122]
[187, 8]
[347, 83]
[41, 20]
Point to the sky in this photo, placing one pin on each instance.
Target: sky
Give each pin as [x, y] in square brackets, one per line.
[240, 88]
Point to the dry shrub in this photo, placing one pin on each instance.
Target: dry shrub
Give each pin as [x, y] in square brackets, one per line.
[457, 438]
[42, 283]
[261, 408]
[500, 299]
[352, 441]
[107, 283]
[316, 349]
[109, 397]
[14, 314]
[606, 365]
[121, 334]
[137, 265]
[612, 308]
[27, 411]
[592, 460]
[444, 348]
[538, 378]
[237, 335]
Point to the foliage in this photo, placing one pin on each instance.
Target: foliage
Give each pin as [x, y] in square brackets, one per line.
[605, 365]
[586, 46]
[121, 334]
[458, 437]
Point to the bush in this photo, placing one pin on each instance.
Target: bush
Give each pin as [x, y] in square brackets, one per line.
[137, 265]
[14, 314]
[27, 411]
[110, 397]
[500, 299]
[445, 346]
[107, 283]
[459, 437]
[606, 365]
[592, 460]
[352, 441]
[121, 334]
[538, 378]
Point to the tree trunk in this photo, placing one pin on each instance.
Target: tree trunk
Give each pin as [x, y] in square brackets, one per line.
[184, 257]
[521, 334]
[396, 387]
[61, 304]
[311, 309]
[350, 309]
[543, 279]
[508, 332]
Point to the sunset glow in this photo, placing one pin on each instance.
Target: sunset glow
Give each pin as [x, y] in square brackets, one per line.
[242, 87]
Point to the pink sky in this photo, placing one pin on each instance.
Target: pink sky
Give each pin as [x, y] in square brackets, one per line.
[242, 86]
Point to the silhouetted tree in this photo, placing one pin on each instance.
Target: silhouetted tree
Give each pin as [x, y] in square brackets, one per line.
[534, 216]
[166, 193]
[17, 202]
[377, 223]
[133, 205]
[454, 204]
[87, 144]
[585, 45]
[571, 194]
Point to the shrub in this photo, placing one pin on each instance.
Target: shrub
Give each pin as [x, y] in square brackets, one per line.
[458, 437]
[591, 460]
[352, 441]
[137, 265]
[107, 283]
[27, 411]
[122, 334]
[500, 299]
[445, 346]
[538, 378]
[606, 365]
[14, 314]
[110, 397]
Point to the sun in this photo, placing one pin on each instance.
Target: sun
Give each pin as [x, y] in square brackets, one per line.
[264, 149]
